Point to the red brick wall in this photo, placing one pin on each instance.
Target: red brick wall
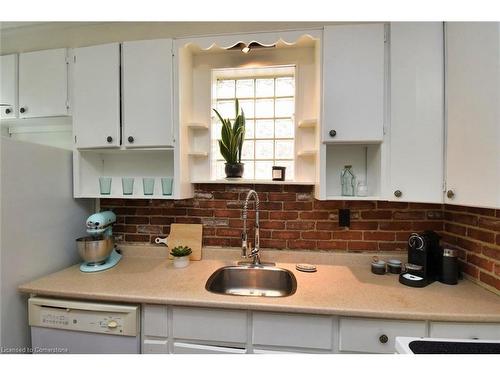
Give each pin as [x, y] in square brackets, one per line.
[475, 232]
[292, 219]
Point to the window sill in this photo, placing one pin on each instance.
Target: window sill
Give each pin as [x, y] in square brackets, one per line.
[241, 181]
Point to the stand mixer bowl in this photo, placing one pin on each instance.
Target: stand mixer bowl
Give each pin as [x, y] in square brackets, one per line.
[95, 250]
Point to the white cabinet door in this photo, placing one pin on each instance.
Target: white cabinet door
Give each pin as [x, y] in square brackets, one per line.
[353, 83]
[96, 112]
[8, 86]
[147, 93]
[473, 119]
[43, 83]
[417, 112]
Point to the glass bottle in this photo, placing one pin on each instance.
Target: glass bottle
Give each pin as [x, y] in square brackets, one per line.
[348, 181]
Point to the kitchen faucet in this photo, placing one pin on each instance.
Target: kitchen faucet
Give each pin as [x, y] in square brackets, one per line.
[255, 252]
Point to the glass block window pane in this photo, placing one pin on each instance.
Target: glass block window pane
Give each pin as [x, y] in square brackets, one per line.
[248, 107]
[247, 152]
[249, 129]
[264, 87]
[269, 105]
[264, 129]
[226, 108]
[244, 88]
[263, 170]
[284, 149]
[284, 107]
[264, 149]
[264, 108]
[285, 86]
[225, 88]
[284, 128]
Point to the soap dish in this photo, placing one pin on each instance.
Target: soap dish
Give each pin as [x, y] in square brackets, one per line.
[306, 267]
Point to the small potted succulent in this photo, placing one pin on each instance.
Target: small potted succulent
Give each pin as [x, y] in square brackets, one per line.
[181, 256]
[231, 142]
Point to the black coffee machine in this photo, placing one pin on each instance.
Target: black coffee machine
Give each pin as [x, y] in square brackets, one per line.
[424, 260]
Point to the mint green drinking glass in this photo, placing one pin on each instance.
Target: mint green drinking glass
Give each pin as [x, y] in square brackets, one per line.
[148, 185]
[128, 185]
[166, 185]
[105, 185]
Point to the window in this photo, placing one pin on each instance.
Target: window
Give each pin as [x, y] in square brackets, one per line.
[267, 97]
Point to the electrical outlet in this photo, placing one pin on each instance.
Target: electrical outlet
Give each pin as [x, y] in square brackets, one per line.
[344, 217]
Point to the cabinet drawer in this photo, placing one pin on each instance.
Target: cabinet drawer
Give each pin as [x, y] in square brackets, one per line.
[186, 348]
[210, 324]
[155, 320]
[367, 335]
[155, 347]
[483, 331]
[293, 330]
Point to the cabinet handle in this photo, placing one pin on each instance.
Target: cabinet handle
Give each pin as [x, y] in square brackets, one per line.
[398, 193]
[383, 339]
[130, 139]
[22, 109]
[7, 111]
[109, 139]
[332, 133]
[450, 194]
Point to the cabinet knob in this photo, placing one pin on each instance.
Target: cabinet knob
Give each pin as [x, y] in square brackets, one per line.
[7, 111]
[450, 194]
[383, 339]
[398, 193]
[130, 139]
[332, 133]
[22, 109]
[109, 139]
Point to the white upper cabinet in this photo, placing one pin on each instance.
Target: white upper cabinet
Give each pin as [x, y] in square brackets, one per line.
[8, 86]
[473, 118]
[147, 93]
[96, 114]
[417, 112]
[43, 83]
[353, 83]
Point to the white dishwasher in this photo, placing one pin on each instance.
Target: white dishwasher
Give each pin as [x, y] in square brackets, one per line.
[65, 326]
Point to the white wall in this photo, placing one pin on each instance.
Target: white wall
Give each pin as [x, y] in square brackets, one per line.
[40, 221]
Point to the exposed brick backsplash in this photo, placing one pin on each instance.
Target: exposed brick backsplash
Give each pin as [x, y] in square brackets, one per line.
[475, 233]
[290, 218]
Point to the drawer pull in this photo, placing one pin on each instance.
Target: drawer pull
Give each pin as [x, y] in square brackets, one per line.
[383, 339]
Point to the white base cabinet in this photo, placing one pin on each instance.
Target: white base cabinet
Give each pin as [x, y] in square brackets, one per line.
[198, 330]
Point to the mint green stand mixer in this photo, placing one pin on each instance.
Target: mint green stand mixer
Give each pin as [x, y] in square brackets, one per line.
[98, 249]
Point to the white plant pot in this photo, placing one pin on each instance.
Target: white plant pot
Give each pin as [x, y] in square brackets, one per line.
[181, 262]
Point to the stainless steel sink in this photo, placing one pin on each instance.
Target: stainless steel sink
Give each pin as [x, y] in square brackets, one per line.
[258, 281]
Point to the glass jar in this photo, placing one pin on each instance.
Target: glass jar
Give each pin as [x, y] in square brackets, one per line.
[362, 190]
[348, 181]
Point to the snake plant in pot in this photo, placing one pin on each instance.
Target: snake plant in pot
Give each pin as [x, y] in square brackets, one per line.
[231, 142]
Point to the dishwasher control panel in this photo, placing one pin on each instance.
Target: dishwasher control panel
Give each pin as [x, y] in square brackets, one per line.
[83, 316]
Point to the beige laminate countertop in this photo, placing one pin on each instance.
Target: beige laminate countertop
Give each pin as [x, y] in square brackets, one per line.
[347, 290]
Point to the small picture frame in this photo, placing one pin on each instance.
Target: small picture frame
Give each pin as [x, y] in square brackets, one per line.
[278, 173]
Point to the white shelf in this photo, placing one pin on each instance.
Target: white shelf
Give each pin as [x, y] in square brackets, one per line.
[197, 125]
[310, 123]
[307, 153]
[355, 198]
[198, 154]
[121, 196]
[256, 182]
